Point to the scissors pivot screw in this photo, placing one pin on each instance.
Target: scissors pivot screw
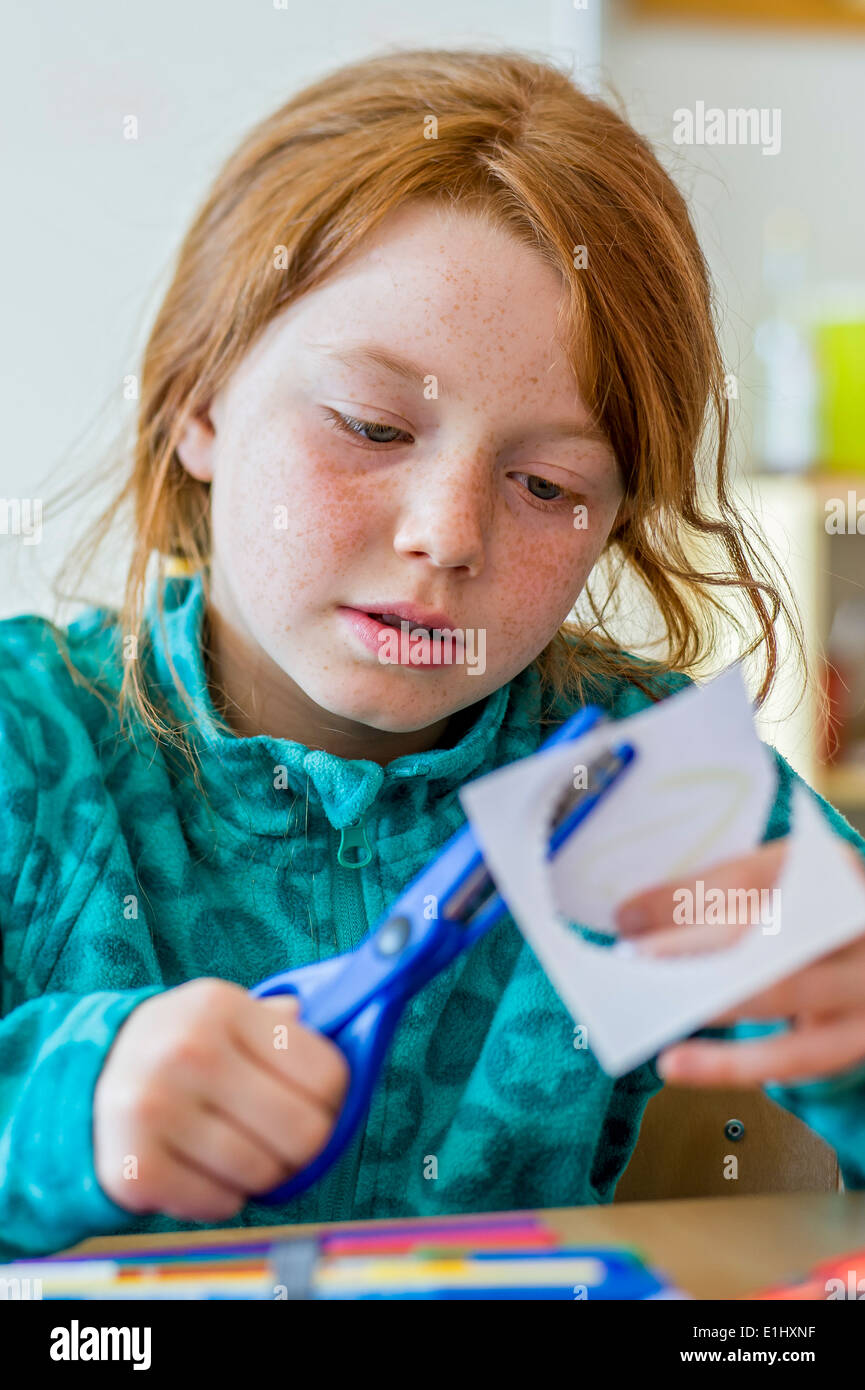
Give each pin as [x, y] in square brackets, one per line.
[392, 936]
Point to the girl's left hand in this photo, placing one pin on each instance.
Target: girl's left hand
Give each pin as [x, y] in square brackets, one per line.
[824, 1002]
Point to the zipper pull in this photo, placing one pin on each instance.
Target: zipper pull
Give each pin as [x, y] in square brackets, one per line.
[353, 836]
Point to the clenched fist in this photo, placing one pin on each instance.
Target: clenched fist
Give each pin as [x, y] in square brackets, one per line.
[209, 1095]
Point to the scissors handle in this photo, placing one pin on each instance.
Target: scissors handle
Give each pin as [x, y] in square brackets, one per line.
[364, 1040]
[357, 998]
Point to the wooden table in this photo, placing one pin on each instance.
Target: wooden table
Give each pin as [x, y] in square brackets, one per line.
[711, 1247]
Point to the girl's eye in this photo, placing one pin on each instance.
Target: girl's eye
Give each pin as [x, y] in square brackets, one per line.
[349, 425]
[546, 500]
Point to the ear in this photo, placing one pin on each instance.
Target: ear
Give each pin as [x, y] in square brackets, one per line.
[195, 448]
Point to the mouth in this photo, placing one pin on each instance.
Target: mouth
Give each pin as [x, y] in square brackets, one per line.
[378, 629]
[394, 614]
[394, 620]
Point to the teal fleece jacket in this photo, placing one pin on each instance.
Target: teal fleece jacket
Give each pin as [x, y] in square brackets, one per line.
[117, 881]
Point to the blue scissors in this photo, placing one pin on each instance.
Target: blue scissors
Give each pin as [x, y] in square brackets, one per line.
[356, 998]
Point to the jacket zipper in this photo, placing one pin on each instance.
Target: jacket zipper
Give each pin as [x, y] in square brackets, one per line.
[352, 853]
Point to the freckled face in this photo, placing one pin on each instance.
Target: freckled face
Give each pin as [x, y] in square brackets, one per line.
[459, 496]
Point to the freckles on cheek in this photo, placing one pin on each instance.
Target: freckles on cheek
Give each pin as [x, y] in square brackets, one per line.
[536, 595]
[352, 526]
[550, 573]
[295, 523]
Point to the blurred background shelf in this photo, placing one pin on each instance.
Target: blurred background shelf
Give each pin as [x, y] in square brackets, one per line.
[843, 786]
[825, 571]
[820, 14]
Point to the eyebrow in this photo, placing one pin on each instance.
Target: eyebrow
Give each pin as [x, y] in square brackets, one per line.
[372, 355]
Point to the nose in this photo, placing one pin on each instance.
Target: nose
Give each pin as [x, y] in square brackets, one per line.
[447, 512]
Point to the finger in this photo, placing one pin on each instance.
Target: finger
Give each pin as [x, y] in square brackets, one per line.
[225, 1154]
[289, 1002]
[191, 1194]
[306, 1059]
[655, 907]
[805, 1053]
[698, 940]
[282, 1120]
[832, 984]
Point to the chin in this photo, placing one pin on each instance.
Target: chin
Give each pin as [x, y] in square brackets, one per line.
[385, 722]
[391, 723]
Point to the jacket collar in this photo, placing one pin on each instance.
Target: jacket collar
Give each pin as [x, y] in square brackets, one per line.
[252, 781]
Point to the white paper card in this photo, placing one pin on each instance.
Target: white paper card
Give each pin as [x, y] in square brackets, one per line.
[699, 791]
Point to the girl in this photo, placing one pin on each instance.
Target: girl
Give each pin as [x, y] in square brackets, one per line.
[438, 348]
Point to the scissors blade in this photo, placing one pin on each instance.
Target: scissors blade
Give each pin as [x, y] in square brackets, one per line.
[472, 898]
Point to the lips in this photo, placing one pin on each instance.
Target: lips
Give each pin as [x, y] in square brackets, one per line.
[394, 620]
[427, 655]
[414, 613]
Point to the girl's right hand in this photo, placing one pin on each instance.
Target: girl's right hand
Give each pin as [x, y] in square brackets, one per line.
[209, 1095]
